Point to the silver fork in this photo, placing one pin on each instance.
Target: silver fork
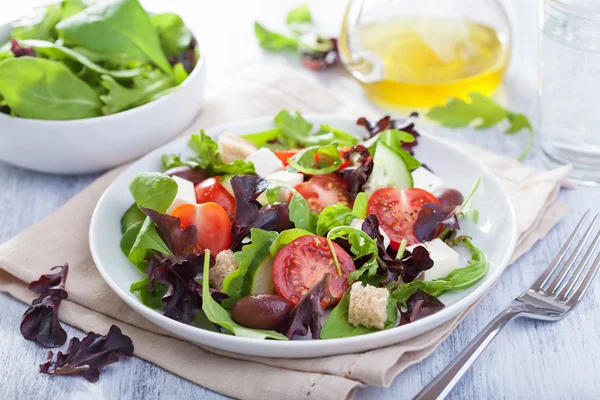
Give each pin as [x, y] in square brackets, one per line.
[546, 299]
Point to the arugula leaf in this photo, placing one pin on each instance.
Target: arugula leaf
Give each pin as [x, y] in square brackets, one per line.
[174, 36]
[317, 160]
[119, 98]
[467, 210]
[38, 25]
[153, 190]
[274, 41]
[239, 282]
[458, 113]
[301, 215]
[218, 315]
[153, 301]
[332, 217]
[114, 29]
[359, 210]
[286, 237]
[337, 325]
[460, 278]
[42, 89]
[299, 19]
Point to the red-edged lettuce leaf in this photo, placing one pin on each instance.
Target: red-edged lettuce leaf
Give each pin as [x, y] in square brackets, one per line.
[408, 267]
[180, 241]
[20, 51]
[385, 123]
[357, 175]
[307, 313]
[321, 59]
[87, 357]
[433, 216]
[419, 305]
[249, 213]
[40, 321]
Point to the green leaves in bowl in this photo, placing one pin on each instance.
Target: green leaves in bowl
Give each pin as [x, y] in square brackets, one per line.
[81, 59]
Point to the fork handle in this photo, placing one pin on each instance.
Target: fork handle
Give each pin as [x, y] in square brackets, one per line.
[447, 379]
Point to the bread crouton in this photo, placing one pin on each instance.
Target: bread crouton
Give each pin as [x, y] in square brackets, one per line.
[225, 264]
[368, 306]
[233, 147]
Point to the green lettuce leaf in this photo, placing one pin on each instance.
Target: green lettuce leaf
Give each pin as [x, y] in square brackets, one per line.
[394, 138]
[42, 89]
[132, 216]
[299, 15]
[317, 160]
[220, 316]
[119, 98]
[153, 190]
[274, 41]
[147, 241]
[301, 215]
[361, 202]
[130, 236]
[174, 36]
[140, 288]
[286, 237]
[38, 25]
[116, 30]
[361, 245]
[332, 217]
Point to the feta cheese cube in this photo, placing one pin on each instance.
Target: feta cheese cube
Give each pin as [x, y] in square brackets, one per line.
[424, 179]
[286, 179]
[265, 162]
[357, 224]
[445, 259]
[185, 193]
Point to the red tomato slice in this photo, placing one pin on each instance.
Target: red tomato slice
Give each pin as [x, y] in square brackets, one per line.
[397, 211]
[210, 190]
[300, 264]
[321, 191]
[283, 155]
[212, 222]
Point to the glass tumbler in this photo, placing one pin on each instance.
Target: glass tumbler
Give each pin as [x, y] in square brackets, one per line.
[570, 85]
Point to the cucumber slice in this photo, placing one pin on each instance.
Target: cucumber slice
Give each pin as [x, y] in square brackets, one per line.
[389, 170]
[132, 216]
[262, 281]
[226, 182]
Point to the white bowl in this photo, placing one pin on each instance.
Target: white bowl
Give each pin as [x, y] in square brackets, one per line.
[96, 144]
[495, 235]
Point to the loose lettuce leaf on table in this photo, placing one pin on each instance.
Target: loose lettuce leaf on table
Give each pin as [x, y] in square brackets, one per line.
[42, 89]
[299, 19]
[274, 41]
[174, 36]
[87, 357]
[39, 24]
[116, 30]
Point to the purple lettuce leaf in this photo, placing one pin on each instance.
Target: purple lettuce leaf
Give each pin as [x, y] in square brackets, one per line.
[194, 175]
[408, 267]
[180, 241]
[188, 57]
[385, 123]
[40, 321]
[307, 313]
[433, 216]
[87, 357]
[19, 51]
[322, 59]
[419, 305]
[357, 175]
[249, 213]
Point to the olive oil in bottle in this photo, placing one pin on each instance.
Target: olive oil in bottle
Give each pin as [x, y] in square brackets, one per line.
[427, 61]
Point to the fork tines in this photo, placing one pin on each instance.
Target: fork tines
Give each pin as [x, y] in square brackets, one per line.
[572, 279]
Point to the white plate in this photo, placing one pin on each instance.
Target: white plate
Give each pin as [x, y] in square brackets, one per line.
[496, 235]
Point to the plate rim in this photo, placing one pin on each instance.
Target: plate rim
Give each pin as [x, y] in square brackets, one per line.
[230, 342]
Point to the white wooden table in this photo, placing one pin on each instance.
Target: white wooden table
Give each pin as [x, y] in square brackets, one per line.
[527, 360]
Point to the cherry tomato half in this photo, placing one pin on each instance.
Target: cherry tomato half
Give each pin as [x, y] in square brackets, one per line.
[213, 225]
[211, 190]
[283, 156]
[397, 211]
[321, 191]
[299, 266]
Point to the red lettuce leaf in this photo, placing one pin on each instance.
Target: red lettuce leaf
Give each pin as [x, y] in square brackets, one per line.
[307, 313]
[433, 216]
[194, 175]
[19, 51]
[188, 57]
[40, 321]
[419, 305]
[357, 175]
[87, 357]
[385, 123]
[180, 241]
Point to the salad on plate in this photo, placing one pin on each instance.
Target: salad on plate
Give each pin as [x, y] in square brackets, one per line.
[299, 232]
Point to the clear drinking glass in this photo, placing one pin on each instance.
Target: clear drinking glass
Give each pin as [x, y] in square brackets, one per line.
[570, 85]
[418, 53]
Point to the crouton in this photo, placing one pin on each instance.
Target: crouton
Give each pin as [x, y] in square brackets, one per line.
[368, 306]
[232, 147]
[225, 264]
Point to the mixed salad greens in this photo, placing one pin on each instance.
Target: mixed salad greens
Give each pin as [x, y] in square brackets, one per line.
[85, 58]
[258, 235]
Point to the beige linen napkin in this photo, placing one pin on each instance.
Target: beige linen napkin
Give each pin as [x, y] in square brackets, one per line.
[261, 91]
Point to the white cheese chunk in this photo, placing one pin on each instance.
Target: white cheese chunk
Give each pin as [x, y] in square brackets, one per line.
[445, 259]
[286, 179]
[424, 179]
[357, 224]
[185, 193]
[265, 162]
